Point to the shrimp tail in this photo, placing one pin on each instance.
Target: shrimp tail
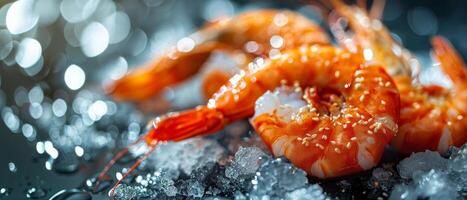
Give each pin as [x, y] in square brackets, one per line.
[168, 70]
[179, 126]
[450, 61]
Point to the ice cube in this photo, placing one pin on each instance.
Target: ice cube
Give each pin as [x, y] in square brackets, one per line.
[445, 180]
[458, 159]
[277, 177]
[195, 189]
[421, 162]
[435, 185]
[314, 192]
[247, 161]
[432, 185]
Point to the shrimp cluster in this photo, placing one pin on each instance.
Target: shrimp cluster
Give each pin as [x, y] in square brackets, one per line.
[330, 110]
[432, 117]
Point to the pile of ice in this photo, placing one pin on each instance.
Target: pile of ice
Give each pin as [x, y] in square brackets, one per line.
[279, 179]
[430, 176]
[203, 172]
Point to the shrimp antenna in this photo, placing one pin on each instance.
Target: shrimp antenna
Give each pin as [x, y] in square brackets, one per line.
[111, 163]
[132, 168]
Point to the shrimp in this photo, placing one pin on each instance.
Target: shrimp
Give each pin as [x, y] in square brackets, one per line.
[353, 128]
[432, 117]
[253, 33]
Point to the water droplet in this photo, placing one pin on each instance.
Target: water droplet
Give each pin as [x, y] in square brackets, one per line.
[79, 151]
[5, 191]
[21, 16]
[29, 52]
[90, 184]
[35, 193]
[71, 194]
[94, 39]
[12, 167]
[74, 77]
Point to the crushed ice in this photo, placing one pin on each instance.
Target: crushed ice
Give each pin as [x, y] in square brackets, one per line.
[429, 176]
[198, 171]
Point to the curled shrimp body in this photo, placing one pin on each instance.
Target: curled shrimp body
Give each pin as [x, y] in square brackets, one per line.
[346, 134]
[253, 33]
[432, 117]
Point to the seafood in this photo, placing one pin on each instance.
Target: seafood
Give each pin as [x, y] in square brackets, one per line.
[432, 117]
[254, 33]
[356, 125]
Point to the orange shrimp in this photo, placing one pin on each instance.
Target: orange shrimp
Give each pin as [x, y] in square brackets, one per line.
[432, 117]
[356, 131]
[254, 33]
[339, 127]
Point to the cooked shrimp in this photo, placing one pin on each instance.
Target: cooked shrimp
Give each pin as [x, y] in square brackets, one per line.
[432, 117]
[255, 33]
[355, 123]
[356, 126]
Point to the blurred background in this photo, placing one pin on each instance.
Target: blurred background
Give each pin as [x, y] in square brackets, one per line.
[55, 55]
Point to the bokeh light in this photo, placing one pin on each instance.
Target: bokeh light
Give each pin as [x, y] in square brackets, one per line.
[21, 16]
[94, 39]
[74, 77]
